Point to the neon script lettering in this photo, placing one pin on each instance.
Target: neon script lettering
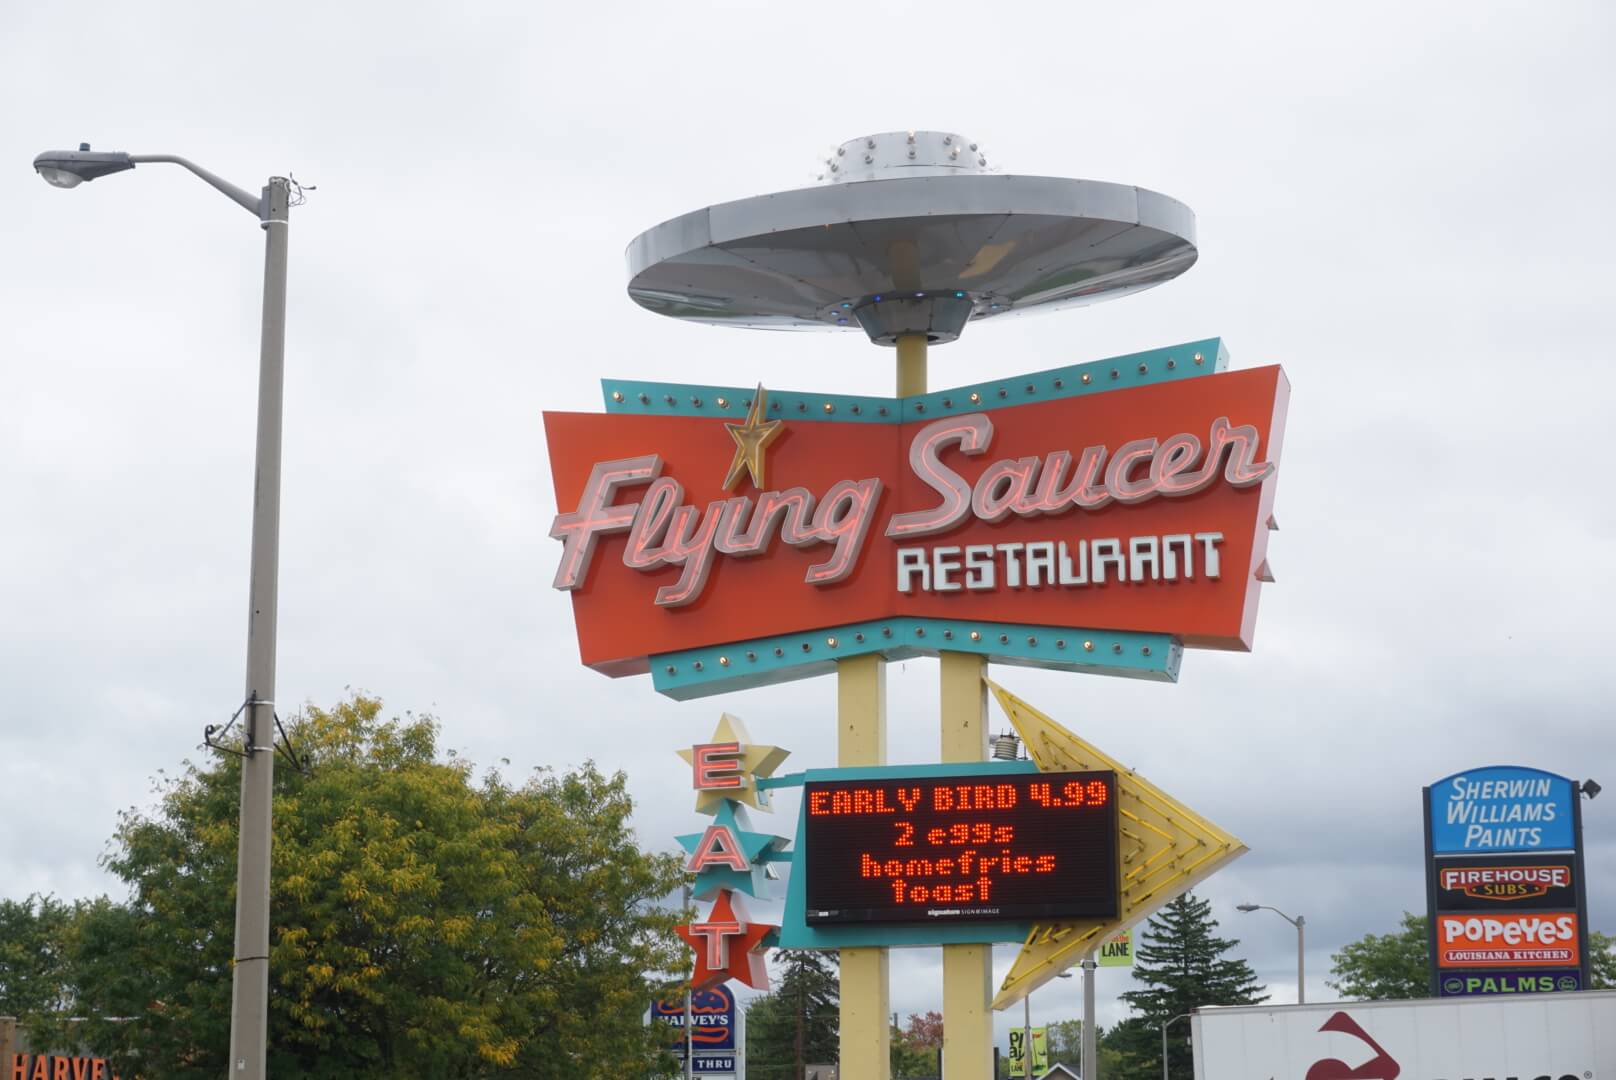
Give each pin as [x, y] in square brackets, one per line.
[663, 530]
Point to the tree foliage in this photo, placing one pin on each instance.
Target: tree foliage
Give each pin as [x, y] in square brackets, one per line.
[1183, 965]
[1394, 967]
[426, 922]
[1383, 967]
[33, 935]
[924, 1031]
[915, 1046]
[799, 1023]
[1066, 1048]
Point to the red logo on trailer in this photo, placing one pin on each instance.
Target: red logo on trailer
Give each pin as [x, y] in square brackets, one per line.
[1380, 1067]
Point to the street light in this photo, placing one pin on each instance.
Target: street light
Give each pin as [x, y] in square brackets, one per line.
[1165, 1025]
[249, 998]
[1299, 922]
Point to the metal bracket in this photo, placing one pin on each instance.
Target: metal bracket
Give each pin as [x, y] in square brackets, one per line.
[283, 745]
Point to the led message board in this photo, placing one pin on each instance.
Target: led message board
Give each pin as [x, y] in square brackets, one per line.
[961, 848]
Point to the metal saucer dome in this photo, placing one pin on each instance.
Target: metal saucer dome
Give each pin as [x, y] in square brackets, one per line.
[909, 233]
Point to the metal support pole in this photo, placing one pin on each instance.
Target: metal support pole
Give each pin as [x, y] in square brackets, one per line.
[1165, 1025]
[689, 1038]
[1301, 973]
[1026, 1036]
[1089, 1049]
[866, 998]
[249, 1004]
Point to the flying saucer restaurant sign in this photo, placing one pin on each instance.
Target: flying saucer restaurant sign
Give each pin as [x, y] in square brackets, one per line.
[1100, 516]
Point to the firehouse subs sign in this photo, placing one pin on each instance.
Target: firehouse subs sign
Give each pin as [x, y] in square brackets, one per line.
[1096, 517]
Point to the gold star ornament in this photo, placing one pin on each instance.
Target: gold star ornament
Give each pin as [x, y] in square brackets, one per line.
[728, 767]
[751, 440]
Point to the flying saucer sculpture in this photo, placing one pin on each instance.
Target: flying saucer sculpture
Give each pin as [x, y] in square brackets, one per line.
[909, 233]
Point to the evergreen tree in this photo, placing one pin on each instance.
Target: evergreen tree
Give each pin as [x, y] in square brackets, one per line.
[799, 1024]
[1183, 965]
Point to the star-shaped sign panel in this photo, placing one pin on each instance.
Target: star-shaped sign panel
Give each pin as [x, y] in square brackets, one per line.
[728, 855]
[752, 439]
[727, 768]
[1166, 849]
[727, 946]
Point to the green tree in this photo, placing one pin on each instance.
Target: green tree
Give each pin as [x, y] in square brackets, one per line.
[427, 922]
[1183, 965]
[33, 934]
[1066, 1043]
[915, 1046]
[1381, 967]
[1386, 967]
[1066, 1047]
[799, 1023]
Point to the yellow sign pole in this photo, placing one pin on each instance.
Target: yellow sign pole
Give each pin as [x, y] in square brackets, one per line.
[911, 365]
[861, 739]
[967, 969]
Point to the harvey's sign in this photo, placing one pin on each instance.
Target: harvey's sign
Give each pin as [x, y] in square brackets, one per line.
[1096, 516]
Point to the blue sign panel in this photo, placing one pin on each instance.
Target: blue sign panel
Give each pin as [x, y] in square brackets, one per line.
[1502, 808]
[712, 1026]
[1468, 983]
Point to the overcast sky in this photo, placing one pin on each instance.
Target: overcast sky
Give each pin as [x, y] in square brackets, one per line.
[1407, 205]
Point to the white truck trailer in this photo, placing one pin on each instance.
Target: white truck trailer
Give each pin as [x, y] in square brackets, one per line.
[1569, 1036]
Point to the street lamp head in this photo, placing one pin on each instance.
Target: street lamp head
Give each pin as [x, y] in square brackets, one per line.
[70, 168]
[1246, 907]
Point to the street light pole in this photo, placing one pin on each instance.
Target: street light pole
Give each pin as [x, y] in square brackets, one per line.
[1165, 1025]
[249, 998]
[689, 1035]
[249, 990]
[1301, 952]
[1089, 1053]
[1026, 1036]
[1300, 922]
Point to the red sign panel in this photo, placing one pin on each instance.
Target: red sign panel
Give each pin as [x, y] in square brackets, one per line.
[1522, 939]
[1134, 510]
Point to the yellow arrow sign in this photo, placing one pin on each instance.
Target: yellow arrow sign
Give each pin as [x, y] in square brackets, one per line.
[1165, 849]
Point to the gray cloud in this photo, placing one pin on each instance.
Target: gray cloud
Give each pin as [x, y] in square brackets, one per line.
[1403, 204]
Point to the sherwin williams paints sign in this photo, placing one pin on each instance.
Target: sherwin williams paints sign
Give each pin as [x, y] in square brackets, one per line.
[1502, 808]
[1504, 883]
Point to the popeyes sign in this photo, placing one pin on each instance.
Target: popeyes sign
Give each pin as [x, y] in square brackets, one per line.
[1090, 498]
